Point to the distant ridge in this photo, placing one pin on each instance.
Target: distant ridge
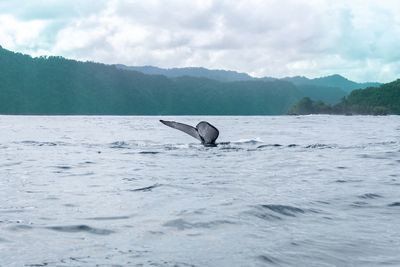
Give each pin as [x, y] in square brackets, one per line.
[199, 72]
[333, 81]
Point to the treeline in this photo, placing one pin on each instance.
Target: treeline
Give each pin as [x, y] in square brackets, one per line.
[381, 100]
[58, 86]
[54, 85]
[329, 89]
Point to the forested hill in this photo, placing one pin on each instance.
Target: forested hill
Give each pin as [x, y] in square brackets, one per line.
[382, 100]
[54, 85]
[330, 89]
[219, 75]
[336, 81]
[328, 82]
[370, 101]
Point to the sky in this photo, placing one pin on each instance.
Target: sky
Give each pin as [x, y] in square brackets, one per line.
[359, 39]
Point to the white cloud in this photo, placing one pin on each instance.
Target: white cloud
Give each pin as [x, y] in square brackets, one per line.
[18, 34]
[358, 39]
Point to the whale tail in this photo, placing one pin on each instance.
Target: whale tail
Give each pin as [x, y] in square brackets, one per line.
[204, 131]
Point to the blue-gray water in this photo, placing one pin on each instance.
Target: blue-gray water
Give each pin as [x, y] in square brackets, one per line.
[129, 191]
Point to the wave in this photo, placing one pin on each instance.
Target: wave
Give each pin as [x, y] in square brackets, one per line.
[149, 152]
[276, 212]
[370, 196]
[42, 143]
[268, 259]
[109, 218]
[394, 204]
[181, 224]
[145, 189]
[284, 209]
[120, 144]
[152, 148]
[269, 145]
[80, 228]
[256, 140]
[321, 146]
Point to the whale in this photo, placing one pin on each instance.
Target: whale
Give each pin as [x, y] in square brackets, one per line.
[206, 133]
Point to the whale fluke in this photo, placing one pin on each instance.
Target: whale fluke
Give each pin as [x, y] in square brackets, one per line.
[190, 130]
[204, 131]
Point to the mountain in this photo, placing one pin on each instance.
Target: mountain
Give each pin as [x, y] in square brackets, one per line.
[330, 89]
[335, 80]
[55, 85]
[326, 83]
[385, 99]
[219, 75]
[370, 101]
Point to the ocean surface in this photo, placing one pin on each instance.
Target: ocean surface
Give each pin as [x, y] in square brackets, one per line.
[129, 191]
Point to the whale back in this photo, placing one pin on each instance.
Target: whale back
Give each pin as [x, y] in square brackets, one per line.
[207, 132]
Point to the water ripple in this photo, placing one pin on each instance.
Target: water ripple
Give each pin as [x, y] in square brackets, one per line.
[39, 143]
[275, 212]
[321, 146]
[149, 152]
[268, 259]
[120, 144]
[119, 199]
[181, 224]
[80, 228]
[109, 218]
[284, 209]
[370, 196]
[145, 189]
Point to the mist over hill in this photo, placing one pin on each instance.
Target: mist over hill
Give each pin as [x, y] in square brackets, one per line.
[332, 81]
[330, 89]
[55, 85]
[335, 80]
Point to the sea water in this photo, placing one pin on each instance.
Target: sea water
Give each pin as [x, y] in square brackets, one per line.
[129, 191]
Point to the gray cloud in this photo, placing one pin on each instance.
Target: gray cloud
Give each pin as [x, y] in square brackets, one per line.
[263, 37]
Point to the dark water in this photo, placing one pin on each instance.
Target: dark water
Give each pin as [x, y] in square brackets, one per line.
[128, 191]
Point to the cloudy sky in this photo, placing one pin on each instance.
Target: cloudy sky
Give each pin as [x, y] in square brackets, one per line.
[359, 39]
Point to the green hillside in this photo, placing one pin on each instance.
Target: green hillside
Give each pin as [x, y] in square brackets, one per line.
[329, 89]
[54, 85]
[332, 81]
[370, 101]
[384, 99]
